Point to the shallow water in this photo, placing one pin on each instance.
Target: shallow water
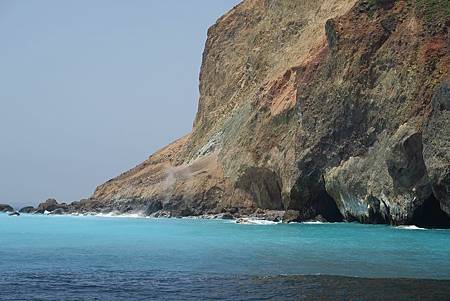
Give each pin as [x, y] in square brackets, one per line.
[85, 258]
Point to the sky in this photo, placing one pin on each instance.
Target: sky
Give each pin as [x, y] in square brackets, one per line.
[89, 89]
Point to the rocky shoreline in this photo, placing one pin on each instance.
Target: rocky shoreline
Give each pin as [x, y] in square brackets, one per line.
[126, 209]
[240, 215]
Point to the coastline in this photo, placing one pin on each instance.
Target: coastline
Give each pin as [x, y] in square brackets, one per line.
[259, 217]
[116, 256]
[246, 220]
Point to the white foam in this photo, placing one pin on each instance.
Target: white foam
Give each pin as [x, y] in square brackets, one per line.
[410, 227]
[314, 223]
[117, 214]
[114, 214]
[252, 221]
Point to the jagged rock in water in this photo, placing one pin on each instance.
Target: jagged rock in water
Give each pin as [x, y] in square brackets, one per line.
[27, 209]
[6, 208]
[291, 216]
[57, 211]
[51, 205]
[331, 108]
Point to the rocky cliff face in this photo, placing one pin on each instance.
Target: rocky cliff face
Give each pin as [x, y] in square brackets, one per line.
[332, 108]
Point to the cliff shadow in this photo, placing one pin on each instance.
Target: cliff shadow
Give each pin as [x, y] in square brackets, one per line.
[430, 215]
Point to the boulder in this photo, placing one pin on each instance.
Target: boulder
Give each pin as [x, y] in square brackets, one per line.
[49, 205]
[318, 218]
[291, 216]
[274, 215]
[244, 221]
[57, 211]
[27, 209]
[161, 213]
[225, 215]
[6, 208]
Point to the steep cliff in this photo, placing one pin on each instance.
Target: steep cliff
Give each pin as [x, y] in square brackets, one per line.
[332, 108]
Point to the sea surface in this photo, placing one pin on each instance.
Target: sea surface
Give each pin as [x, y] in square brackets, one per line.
[119, 258]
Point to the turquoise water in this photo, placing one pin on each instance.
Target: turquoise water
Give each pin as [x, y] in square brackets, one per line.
[82, 256]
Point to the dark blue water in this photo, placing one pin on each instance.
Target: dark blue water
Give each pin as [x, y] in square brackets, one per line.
[98, 258]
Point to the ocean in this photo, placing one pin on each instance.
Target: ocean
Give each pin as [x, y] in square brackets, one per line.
[124, 258]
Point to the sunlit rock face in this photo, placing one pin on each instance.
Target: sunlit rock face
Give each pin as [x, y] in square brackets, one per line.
[330, 108]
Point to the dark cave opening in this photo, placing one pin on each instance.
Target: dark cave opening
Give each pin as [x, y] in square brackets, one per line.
[325, 206]
[430, 215]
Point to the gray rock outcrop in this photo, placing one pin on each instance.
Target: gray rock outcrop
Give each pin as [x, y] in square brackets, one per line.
[6, 208]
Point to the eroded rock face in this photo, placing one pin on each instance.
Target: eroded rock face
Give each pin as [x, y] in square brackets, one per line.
[263, 186]
[337, 109]
[385, 185]
[437, 145]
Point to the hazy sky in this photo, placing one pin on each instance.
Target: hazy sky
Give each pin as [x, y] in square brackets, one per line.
[88, 89]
